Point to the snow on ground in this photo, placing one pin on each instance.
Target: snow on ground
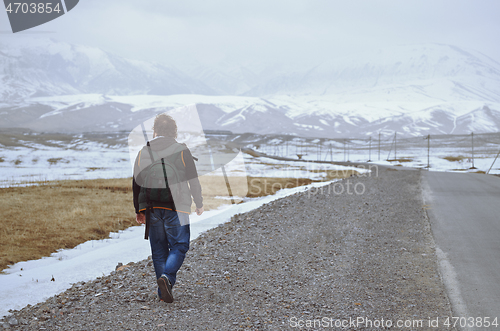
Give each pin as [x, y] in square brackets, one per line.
[413, 152]
[268, 167]
[39, 163]
[30, 282]
[87, 159]
[91, 161]
[437, 162]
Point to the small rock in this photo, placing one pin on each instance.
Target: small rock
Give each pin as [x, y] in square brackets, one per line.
[13, 321]
[122, 267]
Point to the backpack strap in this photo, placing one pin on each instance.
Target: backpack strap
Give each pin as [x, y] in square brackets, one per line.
[155, 156]
[149, 205]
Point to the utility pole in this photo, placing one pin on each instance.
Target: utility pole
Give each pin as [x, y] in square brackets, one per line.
[428, 151]
[319, 151]
[348, 146]
[472, 135]
[379, 146]
[370, 151]
[331, 156]
[395, 147]
[344, 151]
[390, 150]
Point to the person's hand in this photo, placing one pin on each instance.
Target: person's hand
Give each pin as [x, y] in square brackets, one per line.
[199, 211]
[140, 218]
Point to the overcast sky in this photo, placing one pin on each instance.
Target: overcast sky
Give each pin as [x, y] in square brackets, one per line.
[304, 31]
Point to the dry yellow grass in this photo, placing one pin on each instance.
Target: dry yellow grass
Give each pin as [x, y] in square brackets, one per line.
[39, 220]
[454, 158]
[402, 160]
[214, 187]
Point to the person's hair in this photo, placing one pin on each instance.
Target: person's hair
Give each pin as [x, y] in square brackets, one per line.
[165, 126]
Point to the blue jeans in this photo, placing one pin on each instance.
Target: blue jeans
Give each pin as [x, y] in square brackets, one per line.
[169, 242]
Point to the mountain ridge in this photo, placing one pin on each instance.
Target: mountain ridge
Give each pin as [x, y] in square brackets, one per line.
[289, 115]
[416, 90]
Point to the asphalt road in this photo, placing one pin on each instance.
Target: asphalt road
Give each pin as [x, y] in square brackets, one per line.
[464, 211]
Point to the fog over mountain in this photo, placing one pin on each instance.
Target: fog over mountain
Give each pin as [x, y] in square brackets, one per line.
[44, 67]
[436, 71]
[415, 89]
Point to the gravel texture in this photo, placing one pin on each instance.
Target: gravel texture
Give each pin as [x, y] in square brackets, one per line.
[311, 256]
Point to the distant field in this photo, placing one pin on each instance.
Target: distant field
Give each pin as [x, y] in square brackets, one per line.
[39, 220]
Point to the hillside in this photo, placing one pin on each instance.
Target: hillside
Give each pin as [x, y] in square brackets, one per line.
[415, 90]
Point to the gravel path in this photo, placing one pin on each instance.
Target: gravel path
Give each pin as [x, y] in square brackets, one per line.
[315, 257]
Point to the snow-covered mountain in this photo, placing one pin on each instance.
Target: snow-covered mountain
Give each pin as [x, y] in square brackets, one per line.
[44, 67]
[304, 116]
[415, 90]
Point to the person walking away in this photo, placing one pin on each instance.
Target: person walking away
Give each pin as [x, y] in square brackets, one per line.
[165, 183]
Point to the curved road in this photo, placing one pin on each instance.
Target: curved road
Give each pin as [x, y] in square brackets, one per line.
[464, 211]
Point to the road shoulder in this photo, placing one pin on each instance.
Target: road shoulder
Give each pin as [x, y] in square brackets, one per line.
[320, 257]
